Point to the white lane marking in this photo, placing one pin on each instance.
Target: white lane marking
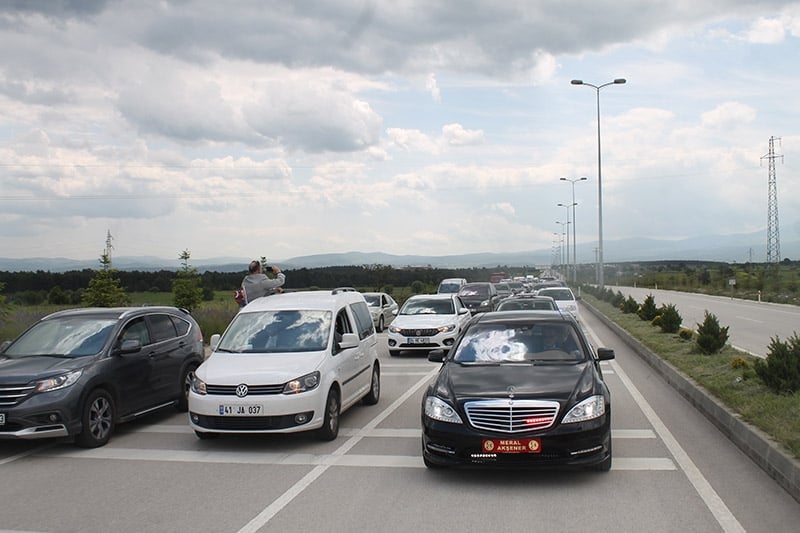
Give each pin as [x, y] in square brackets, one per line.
[24, 454]
[748, 319]
[301, 459]
[722, 514]
[275, 507]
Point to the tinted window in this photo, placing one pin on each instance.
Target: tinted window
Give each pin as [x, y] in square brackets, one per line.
[181, 326]
[363, 320]
[162, 328]
[136, 329]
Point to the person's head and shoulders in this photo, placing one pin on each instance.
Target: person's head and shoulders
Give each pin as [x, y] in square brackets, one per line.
[256, 283]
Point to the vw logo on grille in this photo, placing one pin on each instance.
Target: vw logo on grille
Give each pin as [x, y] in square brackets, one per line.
[241, 390]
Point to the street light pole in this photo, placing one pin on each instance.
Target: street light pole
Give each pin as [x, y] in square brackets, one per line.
[564, 225]
[574, 231]
[567, 206]
[599, 178]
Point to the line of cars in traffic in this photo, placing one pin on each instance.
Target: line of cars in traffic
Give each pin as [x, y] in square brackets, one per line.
[518, 384]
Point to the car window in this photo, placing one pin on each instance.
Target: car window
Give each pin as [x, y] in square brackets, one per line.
[181, 326]
[363, 320]
[136, 329]
[64, 336]
[278, 332]
[474, 290]
[162, 328]
[428, 307]
[507, 343]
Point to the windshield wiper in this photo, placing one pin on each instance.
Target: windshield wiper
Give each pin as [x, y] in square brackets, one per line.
[227, 350]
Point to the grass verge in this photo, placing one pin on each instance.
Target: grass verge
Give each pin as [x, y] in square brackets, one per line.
[727, 375]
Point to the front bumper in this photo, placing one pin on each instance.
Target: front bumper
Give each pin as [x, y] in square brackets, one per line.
[277, 413]
[568, 445]
[43, 415]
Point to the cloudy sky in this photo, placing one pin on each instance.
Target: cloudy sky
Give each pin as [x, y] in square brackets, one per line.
[435, 127]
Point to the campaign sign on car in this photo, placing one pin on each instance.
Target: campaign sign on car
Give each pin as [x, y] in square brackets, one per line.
[512, 445]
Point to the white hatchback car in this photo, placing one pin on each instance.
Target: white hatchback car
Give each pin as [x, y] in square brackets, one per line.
[287, 363]
[428, 322]
[382, 307]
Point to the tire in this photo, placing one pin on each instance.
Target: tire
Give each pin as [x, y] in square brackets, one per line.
[98, 418]
[374, 393]
[380, 324]
[206, 436]
[394, 353]
[182, 404]
[330, 423]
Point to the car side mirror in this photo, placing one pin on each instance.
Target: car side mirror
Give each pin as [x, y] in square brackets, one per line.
[130, 346]
[214, 341]
[5, 345]
[604, 354]
[349, 340]
[436, 356]
[463, 311]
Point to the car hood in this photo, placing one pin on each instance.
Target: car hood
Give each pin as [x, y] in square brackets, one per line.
[423, 321]
[544, 381]
[25, 369]
[258, 368]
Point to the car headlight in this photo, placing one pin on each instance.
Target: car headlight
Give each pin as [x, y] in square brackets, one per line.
[591, 407]
[58, 382]
[438, 409]
[446, 329]
[394, 329]
[484, 303]
[302, 384]
[199, 386]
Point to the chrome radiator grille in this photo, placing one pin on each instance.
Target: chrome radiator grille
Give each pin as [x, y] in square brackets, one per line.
[511, 416]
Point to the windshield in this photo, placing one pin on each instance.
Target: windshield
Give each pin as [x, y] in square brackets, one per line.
[446, 288]
[75, 336]
[428, 307]
[474, 290]
[510, 343]
[277, 332]
[373, 300]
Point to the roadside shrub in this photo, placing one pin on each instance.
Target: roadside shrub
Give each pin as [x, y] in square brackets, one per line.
[618, 299]
[711, 338]
[780, 371]
[648, 310]
[685, 334]
[670, 318]
[630, 305]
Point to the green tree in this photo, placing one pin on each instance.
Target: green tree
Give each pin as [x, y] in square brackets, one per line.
[104, 289]
[186, 289]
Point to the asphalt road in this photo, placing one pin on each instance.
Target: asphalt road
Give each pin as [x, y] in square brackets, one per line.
[751, 324]
[672, 471]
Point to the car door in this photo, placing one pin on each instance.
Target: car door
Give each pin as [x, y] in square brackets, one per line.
[166, 355]
[346, 361]
[131, 371]
[367, 351]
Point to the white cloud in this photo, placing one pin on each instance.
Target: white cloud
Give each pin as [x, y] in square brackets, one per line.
[729, 115]
[456, 135]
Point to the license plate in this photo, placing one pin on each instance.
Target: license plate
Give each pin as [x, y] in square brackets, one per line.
[418, 340]
[240, 410]
[512, 445]
[2, 419]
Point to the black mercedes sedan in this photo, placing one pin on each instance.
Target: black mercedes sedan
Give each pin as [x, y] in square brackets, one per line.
[519, 389]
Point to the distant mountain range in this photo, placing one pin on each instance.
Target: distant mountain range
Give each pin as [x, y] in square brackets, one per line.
[723, 248]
